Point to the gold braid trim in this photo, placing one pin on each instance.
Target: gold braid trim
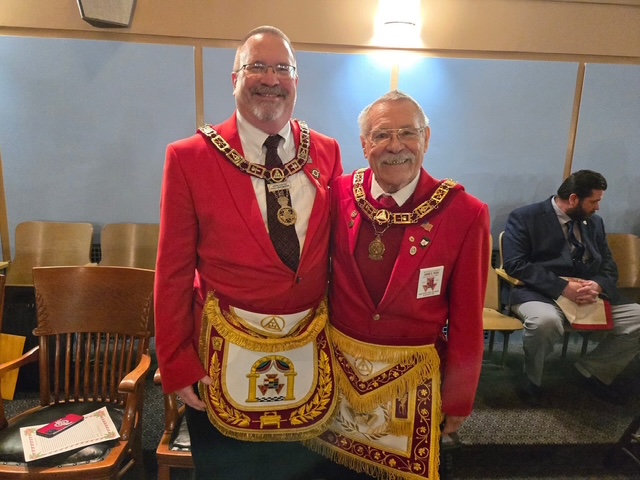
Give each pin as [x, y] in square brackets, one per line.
[355, 463]
[425, 361]
[213, 316]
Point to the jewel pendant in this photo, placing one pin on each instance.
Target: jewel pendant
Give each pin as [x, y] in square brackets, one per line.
[287, 216]
[376, 249]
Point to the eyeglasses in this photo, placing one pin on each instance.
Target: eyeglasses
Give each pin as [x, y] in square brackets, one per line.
[281, 70]
[407, 136]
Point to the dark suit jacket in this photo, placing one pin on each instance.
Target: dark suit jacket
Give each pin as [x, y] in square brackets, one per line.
[536, 251]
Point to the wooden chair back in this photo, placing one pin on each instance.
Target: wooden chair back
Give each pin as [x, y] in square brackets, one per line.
[625, 248]
[41, 244]
[130, 244]
[97, 322]
[491, 297]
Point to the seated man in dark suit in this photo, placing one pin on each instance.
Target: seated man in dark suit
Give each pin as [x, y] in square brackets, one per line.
[554, 260]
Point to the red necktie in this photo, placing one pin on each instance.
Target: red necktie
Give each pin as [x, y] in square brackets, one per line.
[387, 201]
[284, 237]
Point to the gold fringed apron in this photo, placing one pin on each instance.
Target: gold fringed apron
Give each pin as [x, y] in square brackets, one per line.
[389, 413]
[265, 388]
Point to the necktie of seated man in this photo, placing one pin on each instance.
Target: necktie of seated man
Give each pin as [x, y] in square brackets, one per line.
[284, 237]
[578, 247]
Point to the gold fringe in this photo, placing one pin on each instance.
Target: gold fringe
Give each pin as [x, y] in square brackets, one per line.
[400, 428]
[212, 315]
[425, 359]
[373, 470]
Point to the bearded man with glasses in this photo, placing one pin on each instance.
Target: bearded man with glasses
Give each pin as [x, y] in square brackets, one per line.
[410, 255]
[242, 272]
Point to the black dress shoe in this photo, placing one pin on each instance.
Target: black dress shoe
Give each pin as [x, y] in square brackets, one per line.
[529, 392]
[601, 390]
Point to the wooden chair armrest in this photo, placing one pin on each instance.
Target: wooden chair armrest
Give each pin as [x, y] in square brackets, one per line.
[132, 384]
[172, 410]
[508, 278]
[29, 357]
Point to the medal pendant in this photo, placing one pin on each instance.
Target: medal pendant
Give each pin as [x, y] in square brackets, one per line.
[287, 216]
[376, 249]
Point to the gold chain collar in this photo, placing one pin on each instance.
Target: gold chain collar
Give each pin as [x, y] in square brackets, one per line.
[385, 217]
[272, 175]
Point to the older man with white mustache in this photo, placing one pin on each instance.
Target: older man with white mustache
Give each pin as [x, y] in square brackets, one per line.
[410, 255]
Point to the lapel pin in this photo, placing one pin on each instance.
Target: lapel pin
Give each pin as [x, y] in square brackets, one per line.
[412, 239]
[351, 224]
[424, 242]
[354, 214]
[316, 173]
[413, 250]
[427, 226]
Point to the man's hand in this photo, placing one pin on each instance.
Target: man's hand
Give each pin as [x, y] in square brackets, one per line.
[452, 424]
[582, 292]
[189, 397]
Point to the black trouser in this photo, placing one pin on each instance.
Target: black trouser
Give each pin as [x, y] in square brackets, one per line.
[219, 457]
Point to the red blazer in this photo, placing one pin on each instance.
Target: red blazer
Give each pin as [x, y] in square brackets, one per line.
[213, 238]
[458, 240]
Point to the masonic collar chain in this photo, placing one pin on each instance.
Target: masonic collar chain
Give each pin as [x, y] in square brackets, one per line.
[276, 178]
[382, 219]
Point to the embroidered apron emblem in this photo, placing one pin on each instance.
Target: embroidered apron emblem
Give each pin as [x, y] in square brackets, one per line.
[266, 389]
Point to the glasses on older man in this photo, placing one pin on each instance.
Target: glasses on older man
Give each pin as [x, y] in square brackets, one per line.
[408, 136]
[281, 70]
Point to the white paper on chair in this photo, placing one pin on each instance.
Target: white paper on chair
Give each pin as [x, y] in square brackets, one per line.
[96, 427]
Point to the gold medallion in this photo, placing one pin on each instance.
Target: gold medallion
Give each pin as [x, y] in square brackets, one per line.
[376, 248]
[286, 215]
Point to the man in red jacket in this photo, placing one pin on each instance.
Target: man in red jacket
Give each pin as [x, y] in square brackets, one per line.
[409, 257]
[236, 308]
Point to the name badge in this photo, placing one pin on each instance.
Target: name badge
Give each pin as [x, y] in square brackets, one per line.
[430, 281]
[278, 187]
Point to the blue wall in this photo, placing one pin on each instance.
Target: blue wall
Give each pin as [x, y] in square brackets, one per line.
[84, 124]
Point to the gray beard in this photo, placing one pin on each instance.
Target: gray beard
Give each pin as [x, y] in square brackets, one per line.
[267, 113]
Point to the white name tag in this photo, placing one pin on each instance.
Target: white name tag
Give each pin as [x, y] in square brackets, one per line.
[430, 281]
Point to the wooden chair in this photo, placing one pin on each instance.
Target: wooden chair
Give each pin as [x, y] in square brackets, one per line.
[11, 346]
[130, 244]
[174, 449]
[492, 318]
[625, 248]
[43, 244]
[94, 327]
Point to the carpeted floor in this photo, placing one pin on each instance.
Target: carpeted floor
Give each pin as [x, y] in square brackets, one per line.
[566, 438]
